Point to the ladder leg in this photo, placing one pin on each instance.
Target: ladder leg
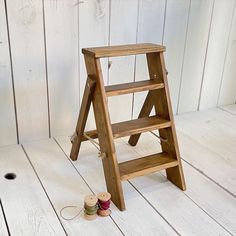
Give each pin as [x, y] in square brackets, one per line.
[145, 111]
[105, 135]
[83, 115]
[163, 108]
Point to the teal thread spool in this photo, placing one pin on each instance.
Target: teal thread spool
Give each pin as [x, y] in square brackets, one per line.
[90, 207]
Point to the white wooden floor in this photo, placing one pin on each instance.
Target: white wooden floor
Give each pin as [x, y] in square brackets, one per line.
[47, 181]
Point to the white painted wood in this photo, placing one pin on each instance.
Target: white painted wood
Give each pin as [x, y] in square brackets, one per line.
[3, 228]
[123, 28]
[65, 187]
[27, 46]
[174, 40]
[208, 162]
[139, 218]
[7, 119]
[185, 211]
[211, 198]
[61, 32]
[214, 129]
[150, 30]
[218, 41]
[26, 206]
[227, 92]
[93, 32]
[230, 108]
[196, 44]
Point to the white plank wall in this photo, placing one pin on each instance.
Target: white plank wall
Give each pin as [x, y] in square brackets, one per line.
[151, 16]
[44, 49]
[198, 32]
[25, 20]
[61, 33]
[228, 92]
[8, 133]
[177, 13]
[123, 30]
[93, 32]
[220, 28]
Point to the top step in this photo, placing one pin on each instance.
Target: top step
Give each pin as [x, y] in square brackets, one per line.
[123, 50]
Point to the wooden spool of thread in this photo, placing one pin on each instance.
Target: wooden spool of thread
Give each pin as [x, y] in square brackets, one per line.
[104, 201]
[90, 207]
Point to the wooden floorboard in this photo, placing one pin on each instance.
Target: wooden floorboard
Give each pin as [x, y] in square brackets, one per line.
[207, 141]
[32, 202]
[229, 108]
[209, 196]
[3, 225]
[26, 206]
[175, 205]
[65, 187]
[139, 218]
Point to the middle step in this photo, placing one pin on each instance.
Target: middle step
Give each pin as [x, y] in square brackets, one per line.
[131, 127]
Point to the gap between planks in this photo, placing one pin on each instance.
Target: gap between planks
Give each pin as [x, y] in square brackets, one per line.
[204, 218]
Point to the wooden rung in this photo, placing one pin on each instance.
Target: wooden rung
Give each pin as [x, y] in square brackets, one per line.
[146, 165]
[123, 50]
[133, 87]
[136, 126]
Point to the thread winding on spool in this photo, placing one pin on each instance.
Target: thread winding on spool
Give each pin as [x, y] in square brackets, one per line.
[104, 201]
[90, 207]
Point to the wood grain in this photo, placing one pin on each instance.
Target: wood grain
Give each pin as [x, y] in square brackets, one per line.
[26, 206]
[8, 134]
[133, 127]
[83, 117]
[123, 50]
[134, 87]
[146, 165]
[162, 104]
[105, 136]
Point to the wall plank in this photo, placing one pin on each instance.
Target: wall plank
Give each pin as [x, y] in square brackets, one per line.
[220, 28]
[196, 44]
[27, 46]
[123, 27]
[61, 30]
[174, 39]
[228, 92]
[150, 29]
[93, 31]
[8, 133]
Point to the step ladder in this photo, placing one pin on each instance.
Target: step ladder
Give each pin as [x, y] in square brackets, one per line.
[158, 97]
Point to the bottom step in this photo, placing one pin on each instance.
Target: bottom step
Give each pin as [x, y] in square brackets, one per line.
[146, 165]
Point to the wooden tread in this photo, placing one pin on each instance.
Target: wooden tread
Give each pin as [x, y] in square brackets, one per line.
[136, 126]
[146, 165]
[123, 50]
[119, 89]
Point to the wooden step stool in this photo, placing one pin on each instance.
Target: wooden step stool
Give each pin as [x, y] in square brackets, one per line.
[158, 96]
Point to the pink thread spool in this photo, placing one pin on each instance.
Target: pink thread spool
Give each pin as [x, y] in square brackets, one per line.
[104, 204]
